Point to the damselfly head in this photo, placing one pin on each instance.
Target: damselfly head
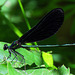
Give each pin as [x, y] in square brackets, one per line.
[5, 47]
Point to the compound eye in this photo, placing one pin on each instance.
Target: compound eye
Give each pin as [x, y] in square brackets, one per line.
[5, 47]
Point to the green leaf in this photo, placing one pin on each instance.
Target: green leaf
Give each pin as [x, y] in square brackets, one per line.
[31, 56]
[48, 59]
[42, 71]
[3, 69]
[60, 71]
[37, 57]
[64, 71]
[12, 71]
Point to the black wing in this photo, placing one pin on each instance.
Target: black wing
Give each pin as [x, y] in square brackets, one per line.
[48, 26]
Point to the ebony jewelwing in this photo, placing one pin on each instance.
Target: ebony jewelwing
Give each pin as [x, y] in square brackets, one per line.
[47, 27]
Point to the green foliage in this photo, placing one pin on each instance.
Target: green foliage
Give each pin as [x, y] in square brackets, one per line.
[47, 59]
[43, 71]
[16, 18]
[30, 58]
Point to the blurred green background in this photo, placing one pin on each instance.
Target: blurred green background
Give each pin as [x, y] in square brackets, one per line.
[13, 25]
